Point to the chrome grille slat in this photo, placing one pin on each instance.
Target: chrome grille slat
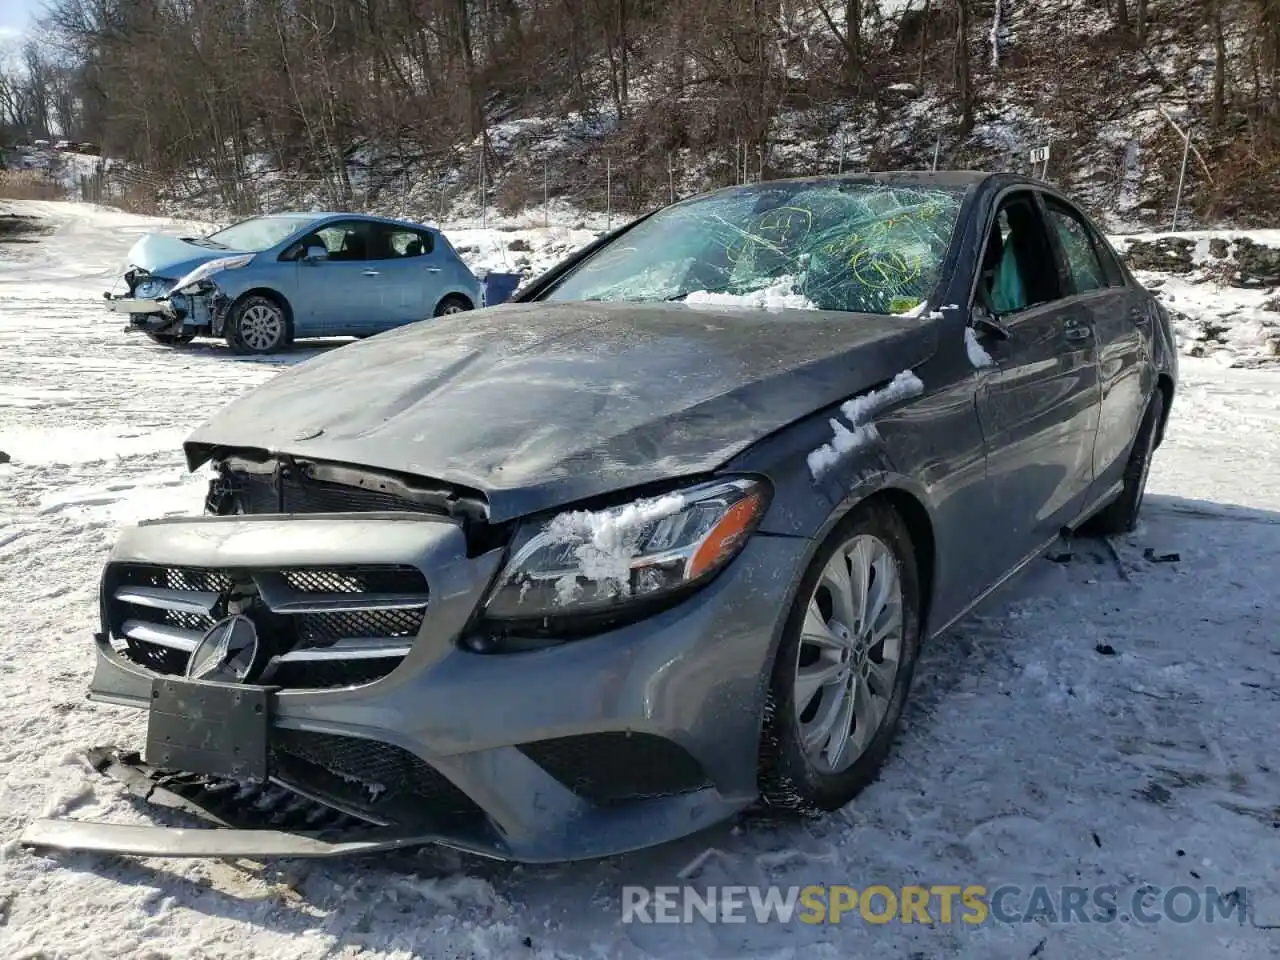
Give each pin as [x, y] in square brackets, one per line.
[343, 650]
[172, 637]
[280, 597]
[166, 598]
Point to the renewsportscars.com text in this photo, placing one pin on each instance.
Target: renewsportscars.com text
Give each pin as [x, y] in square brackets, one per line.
[940, 903]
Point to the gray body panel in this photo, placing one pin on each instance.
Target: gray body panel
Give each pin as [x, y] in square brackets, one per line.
[536, 407]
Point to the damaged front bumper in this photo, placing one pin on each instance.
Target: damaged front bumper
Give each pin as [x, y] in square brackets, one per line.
[315, 831]
[202, 310]
[638, 735]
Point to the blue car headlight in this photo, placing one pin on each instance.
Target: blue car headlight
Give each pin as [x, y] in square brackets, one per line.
[599, 562]
[150, 289]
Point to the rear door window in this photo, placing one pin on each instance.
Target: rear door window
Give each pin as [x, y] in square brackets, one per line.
[398, 243]
[1076, 242]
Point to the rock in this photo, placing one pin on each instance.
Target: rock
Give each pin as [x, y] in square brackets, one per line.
[1166, 255]
[1257, 265]
[1219, 248]
[4, 457]
[518, 244]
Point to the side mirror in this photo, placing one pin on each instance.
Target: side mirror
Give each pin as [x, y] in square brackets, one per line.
[984, 321]
[314, 253]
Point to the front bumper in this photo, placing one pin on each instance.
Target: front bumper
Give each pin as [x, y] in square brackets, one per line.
[517, 735]
[170, 314]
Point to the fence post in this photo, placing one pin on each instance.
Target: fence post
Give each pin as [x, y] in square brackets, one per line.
[484, 214]
[671, 178]
[1182, 175]
[546, 198]
[937, 148]
[608, 189]
[840, 163]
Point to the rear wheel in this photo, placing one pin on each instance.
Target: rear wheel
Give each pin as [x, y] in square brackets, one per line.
[257, 324]
[844, 667]
[1121, 515]
[452, 304]
[172, 339]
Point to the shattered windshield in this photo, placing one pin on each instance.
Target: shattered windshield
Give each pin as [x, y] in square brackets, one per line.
[258, 234]
[823, 244]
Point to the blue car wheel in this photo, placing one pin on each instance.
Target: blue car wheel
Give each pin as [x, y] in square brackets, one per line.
[454, 303]
[257, 324]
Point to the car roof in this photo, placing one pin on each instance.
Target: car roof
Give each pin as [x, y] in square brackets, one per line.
[346, 214]
[902, 178]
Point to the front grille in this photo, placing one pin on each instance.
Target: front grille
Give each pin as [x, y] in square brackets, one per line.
[257, 493]
[608, 768]
[368, 775]
[320, 636]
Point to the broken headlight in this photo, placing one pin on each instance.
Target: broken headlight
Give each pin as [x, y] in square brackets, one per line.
[207, 270]
[591, 562]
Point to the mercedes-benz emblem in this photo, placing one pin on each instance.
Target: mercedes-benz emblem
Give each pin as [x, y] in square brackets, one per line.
[227, 653]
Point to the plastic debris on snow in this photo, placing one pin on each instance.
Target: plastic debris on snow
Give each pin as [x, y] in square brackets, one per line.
[779, 295]
[978, 356]
[859, 412]
[606, 541]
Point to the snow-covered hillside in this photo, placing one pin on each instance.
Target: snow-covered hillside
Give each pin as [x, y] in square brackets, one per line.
[1106, 720]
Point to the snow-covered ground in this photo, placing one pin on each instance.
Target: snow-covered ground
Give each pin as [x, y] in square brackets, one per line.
[1109, 720]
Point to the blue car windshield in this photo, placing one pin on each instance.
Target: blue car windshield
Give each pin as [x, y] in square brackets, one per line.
[827, 244]
[258, 234]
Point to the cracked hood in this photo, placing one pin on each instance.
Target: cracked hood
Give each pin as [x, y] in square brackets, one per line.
[537, 405]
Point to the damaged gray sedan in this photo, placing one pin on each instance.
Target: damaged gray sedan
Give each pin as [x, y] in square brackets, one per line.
[659, 542]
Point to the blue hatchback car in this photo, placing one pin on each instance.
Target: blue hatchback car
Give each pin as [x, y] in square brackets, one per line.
[265, 281]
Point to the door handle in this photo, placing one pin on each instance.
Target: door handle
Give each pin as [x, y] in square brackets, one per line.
[433, 269]
[369, 273]
[1078, 331]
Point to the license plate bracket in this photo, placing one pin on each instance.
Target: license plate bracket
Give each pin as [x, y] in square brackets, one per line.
[217, 729]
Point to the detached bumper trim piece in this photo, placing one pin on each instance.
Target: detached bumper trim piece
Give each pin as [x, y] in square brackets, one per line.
[131, 305]
[149, 841]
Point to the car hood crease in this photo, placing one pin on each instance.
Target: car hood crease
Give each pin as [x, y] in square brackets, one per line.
[537, 405]
[171, 257]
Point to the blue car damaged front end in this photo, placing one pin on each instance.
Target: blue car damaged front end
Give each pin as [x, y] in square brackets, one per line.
[170, 288]
[293, 276]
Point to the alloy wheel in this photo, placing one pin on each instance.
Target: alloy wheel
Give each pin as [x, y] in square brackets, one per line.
[261, 326]
[850, 652]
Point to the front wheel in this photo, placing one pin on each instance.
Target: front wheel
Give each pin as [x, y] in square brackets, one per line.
[452, 304]
[1121, 515]
[257, 324]
[844, 666]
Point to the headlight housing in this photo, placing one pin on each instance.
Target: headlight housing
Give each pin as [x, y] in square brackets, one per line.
[587, 564]
[208, 269]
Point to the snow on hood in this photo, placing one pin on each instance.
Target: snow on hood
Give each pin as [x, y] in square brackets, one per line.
[779, 295]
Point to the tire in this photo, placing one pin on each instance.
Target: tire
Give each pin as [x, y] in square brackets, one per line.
[453, 303]
[257, 325]
[797, 779]
[171, 339]
[1121, 515]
